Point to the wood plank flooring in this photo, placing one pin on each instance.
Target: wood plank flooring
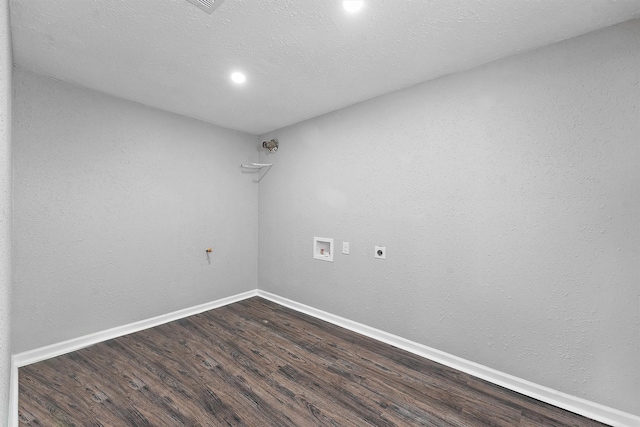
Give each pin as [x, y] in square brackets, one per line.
[255, 363]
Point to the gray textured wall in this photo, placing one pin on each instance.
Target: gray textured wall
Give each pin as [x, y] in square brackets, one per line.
[508, 199]
[114, 206]
[6, 65]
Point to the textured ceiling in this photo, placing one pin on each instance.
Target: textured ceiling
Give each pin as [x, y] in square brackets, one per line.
[303, 58]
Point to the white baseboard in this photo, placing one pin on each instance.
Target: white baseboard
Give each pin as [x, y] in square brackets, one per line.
[53, 350]
[562, 400]
[580, 406]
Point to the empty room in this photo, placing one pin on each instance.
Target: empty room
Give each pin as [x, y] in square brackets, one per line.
[319, 213]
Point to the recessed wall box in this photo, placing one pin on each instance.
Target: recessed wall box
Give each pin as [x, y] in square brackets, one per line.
[323, 248]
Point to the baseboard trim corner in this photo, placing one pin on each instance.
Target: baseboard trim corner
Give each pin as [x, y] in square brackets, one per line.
[12, 416]
[596, 411]
[562, 400]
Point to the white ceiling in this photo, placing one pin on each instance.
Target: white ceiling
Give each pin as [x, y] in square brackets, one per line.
[302, 58]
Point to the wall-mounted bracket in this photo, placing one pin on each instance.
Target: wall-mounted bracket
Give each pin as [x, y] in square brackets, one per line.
[256, 167]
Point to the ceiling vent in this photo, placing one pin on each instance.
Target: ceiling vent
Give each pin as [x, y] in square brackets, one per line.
[207, 5]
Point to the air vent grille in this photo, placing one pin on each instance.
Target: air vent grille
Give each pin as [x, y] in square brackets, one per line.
[207, 5]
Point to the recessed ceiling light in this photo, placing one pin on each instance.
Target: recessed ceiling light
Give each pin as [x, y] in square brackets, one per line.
[207, 5]
[352, 6]
[238, 77]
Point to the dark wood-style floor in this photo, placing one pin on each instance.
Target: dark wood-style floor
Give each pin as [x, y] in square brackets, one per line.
[255, 363]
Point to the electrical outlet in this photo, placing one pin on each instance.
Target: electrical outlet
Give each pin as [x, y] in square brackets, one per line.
[380, 252]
